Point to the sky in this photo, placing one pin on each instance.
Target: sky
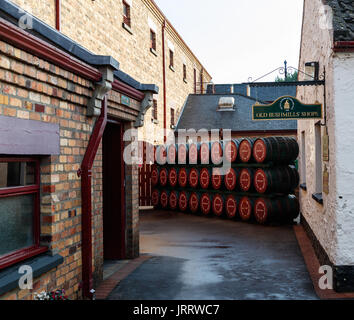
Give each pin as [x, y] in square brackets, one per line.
[239, 39]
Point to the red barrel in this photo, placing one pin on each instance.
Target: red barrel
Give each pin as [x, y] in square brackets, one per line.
[173, 177]
[161, 155]
[218, 205]
[164, 199]
[193, 178]
[230, 179]
[276, 180]
[205, 204]
[182, 153]
[163, 177]
[231, 150]
[204, 153]
[245, 208]
[231, 204]
[194, 201]
[171, 154]
[217, 179]
[183, 177]
[155, 176]
[278, 150]
[183, 201]
[173, 200]
[246, 179]
[245, 150]
[193, 153]
[155, 198]
[216, 152]
[205, 178]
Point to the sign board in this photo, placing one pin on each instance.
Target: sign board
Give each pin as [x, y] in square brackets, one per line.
[125, 100]
[286, 108]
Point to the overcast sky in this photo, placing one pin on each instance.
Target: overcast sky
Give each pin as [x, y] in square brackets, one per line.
[238, 39]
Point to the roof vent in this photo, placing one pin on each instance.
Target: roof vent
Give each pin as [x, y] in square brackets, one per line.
[226, 104]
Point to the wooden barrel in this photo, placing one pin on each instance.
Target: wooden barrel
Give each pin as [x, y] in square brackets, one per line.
[155, 176]
[218, 205]
[182, 153]
[245, 150]
[173, 200]
[171, 154]
[205, 178]
[163, 174]
[205, 204]
[193, 153]
[231, 150]
[164, 199]
[216, 152]
[155, 198]
[231, 204]
[193, 177]
[245, 182]
[231, 178]
[276, 180]
[278, 150]
[183, 201]
[161, 155]
[204, 153]
[280, 209]
[173, 177]
[182, 177]
[245, 208]
[217, 180]
[194, 201]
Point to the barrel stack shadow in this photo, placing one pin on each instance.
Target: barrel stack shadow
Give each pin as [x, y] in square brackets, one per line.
[258, 188]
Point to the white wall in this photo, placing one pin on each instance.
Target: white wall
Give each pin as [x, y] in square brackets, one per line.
[344, 130]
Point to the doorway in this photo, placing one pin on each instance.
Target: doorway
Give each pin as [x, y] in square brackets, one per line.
[114, 223]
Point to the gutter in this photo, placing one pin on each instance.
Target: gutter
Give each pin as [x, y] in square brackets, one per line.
[86, 216]
[164, 81]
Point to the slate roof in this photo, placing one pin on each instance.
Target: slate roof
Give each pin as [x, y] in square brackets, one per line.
[200, 112]
[343, 19]
[270, 94]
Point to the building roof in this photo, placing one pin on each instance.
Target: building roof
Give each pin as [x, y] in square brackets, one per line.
[343, 19]
[200, 112]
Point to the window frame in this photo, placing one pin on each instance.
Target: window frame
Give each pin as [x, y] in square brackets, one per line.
[153, 45]
[154, 110]
[171, 54]
[184, 72]
[35, 249]
[126, 18]
[172, 114]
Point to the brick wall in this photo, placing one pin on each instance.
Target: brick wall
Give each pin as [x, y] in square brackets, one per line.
[32, 88]
[97, 25]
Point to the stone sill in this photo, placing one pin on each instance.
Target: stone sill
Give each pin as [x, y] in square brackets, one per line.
[172, 68]
[126, 27]
[153, 51]
[303, 186]
[318, 197]
[154, 121]
[41, 264]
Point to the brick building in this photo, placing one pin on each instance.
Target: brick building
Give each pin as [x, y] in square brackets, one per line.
[139, 36]
[63, 114]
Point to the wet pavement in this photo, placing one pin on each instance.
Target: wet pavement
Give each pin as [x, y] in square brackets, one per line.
[198, 258]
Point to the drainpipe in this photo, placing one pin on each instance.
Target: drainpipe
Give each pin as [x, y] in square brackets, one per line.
[99, 98]
[164, 81]
[57, 14]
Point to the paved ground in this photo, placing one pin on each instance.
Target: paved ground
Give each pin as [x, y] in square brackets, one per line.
[209, 258]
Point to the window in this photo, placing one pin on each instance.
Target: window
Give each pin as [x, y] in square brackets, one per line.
[318, 164]
[184, 73]
[171, 59]
[172, 117]
[303, 160]
[195, 81]
[126, 14]
[152, 40]
[154, 111]
[19, 210]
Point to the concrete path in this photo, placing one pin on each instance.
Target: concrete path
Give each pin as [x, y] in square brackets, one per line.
[198, 258]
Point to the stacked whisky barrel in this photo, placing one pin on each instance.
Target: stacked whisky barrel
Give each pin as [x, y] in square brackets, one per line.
[258, 186]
